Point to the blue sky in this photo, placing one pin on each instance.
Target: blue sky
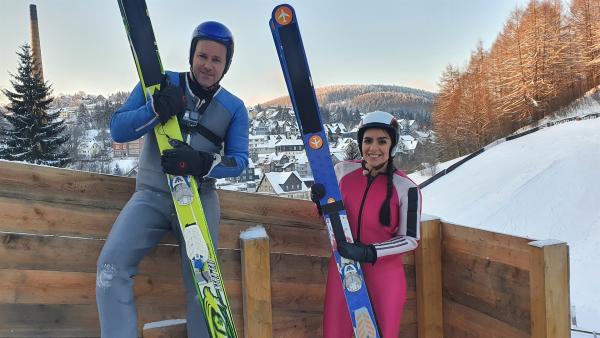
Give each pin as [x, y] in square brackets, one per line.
[397, 42]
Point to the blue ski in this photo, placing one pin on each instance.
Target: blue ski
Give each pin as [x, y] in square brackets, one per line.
[288, 42]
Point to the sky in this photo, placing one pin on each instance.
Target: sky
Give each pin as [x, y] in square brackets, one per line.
[393, 42]
[541, 186]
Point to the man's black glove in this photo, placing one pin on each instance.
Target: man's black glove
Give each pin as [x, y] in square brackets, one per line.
[184, 160]
[317, 191]
[358, 251]
[168, 101]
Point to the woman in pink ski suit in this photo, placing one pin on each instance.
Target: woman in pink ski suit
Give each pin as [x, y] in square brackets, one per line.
[383, 207]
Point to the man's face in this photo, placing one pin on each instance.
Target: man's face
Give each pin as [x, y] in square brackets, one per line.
[208, 62]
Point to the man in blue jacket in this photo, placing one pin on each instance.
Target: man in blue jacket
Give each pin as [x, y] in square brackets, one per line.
[213, 121]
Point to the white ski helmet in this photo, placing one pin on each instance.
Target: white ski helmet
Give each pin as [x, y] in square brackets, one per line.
[381, 120]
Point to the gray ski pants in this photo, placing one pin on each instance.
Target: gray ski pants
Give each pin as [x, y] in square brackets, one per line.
[140, 226]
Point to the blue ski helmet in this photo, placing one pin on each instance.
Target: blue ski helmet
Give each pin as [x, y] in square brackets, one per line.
[217, 32]
[381, 120]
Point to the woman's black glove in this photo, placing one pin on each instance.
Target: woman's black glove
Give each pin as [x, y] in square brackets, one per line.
[358, 252]
[184, 160]
[168, 101]
[317, 191]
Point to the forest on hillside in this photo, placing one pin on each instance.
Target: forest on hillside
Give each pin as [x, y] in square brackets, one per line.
[344, 103]
[546, 56]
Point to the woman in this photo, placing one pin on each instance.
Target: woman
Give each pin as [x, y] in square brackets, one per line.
[383, 207]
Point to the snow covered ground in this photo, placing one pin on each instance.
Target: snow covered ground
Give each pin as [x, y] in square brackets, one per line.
[545, 185]
[422, 175]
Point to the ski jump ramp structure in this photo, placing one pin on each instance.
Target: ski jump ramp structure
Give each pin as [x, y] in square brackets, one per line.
[462, 282]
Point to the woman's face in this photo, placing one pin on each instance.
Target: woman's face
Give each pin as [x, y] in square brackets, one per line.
[376, 147]
[208, 62]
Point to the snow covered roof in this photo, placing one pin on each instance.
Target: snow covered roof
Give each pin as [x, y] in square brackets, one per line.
[409, 142]
[339, 155]
[289, 143]
[278, 179]
[334, 127]
[301, 158]
[422, 134]
[267, 144]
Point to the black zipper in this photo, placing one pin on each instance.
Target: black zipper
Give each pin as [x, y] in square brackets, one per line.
[370, 180]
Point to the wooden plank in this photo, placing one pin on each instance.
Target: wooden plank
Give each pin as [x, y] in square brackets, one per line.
[296, 324]
[495, 289]
[56, 287]
[461, 321]
[59, 219]
[410, 313]
[289, 296]
[256, 281]
[41, 217]
[550, 308]
[428, 258]
[41, 320]
[298, 269]
[55, 253]
[37, 183]
[282, 238]
[497, 247]
[262, 209]
[409, 331]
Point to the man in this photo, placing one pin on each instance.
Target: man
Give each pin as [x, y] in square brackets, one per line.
[212, 121]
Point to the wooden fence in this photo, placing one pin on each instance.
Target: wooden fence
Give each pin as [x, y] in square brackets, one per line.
[53, 223]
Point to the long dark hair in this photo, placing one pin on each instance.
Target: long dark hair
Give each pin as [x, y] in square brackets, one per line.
[384, 212]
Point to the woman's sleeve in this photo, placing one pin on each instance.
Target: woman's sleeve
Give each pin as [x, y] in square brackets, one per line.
[407, 238]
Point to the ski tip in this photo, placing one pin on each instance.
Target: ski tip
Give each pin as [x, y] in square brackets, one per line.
[283, 14]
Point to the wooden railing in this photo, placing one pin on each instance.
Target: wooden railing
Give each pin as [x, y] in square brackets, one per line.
[462, 282]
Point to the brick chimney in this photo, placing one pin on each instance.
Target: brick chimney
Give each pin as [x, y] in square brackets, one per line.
[36, 51]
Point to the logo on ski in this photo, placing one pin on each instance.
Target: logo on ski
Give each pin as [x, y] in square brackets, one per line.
[352, 281]
[364, 325]
[217, 322]
[283, 15]
[180, 187]
[315, 142]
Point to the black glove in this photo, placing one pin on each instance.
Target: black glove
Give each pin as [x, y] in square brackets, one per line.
[317, 191]
[358, 251]
[184, 160]
[168, 101]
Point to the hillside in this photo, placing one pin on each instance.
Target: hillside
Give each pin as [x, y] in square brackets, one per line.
[543, 186]
[402, 101]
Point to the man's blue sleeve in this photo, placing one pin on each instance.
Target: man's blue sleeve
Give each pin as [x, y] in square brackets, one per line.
[134, 119]
[236, 146]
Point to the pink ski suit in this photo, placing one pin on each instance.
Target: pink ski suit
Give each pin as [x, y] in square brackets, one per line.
[385, 279]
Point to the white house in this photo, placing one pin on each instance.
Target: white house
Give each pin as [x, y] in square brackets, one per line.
[283, 184]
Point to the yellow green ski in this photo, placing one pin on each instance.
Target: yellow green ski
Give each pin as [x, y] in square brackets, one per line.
[200, 250]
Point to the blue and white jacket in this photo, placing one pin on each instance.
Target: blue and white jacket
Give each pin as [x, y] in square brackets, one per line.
[225, 116]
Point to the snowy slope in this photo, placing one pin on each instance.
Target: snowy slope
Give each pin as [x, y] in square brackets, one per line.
[542, 185]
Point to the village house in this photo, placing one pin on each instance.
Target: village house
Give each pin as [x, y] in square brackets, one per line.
[283, 184]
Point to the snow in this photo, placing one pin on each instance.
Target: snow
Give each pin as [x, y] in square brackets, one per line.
[125, 164]
[422, 175]
[255, 232]
[542, 186]
[164, 323]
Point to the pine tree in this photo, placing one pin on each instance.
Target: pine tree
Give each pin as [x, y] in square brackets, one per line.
[352, 152]
[34, 135]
